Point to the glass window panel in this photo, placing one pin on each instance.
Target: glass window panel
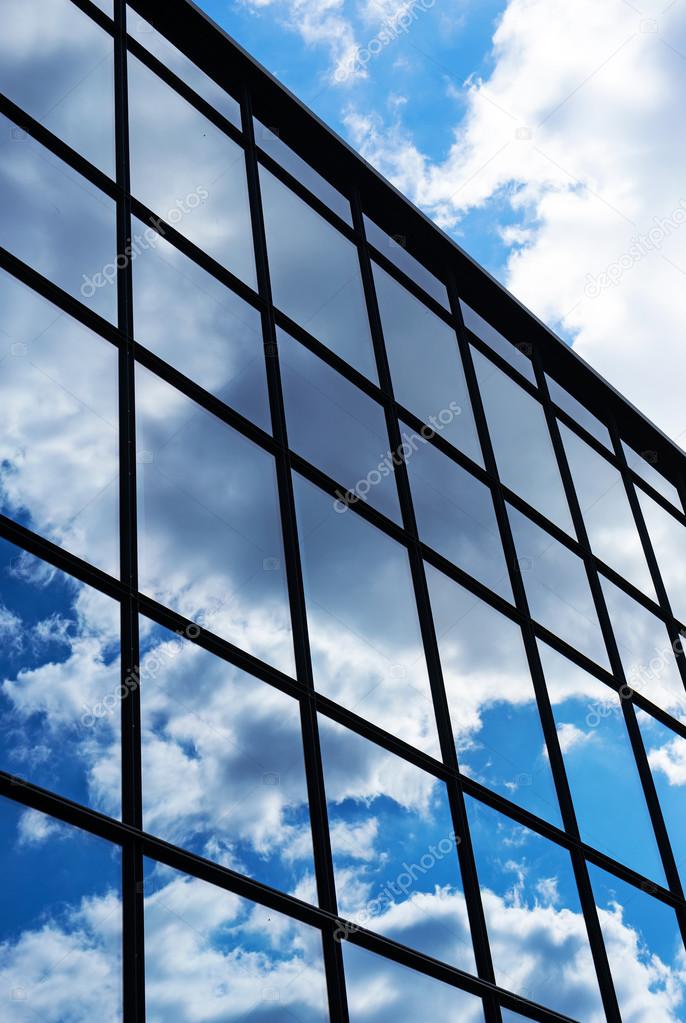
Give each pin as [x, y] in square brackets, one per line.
[394, 848]
[59, 447]
[380, 991]
[176, 61]
[189, 172]
[213, 955]
[536, 927]
[455, 513]
[58, 223]
[493, 710]
[607, 513]
[187, 317]
[394, 248]
[644, 466]
[366, 644]
[666, 753]
[268, 140]
[338, 428]
[495, 340]
[606, 787]
[427, 371]
[645, 950]
[61, 921]
[209, 532]
[557, 588]
[59, 695]
[668, 537]
[646, 650]
[521, 442]
[508, 1016]
[58, 66]
[223, 767]
[315, 275]
[579, 413]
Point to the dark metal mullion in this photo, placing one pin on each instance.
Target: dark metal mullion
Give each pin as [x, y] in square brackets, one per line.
[132, 858]
[542, 698]
[94, 12]
[323, 856]
[475, 911]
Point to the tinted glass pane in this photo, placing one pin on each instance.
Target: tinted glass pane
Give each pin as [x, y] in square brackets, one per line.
[394, 848]
[557, 588]
[212, 955]
[667, 758]
[188, 318]
[367, 650]
[644, 948]
[606, 787]
[537, 931]
[381, 991]
[495, 340]
[426, 367]
[493, 710]
[669, 543]
[58, 65]
[54, 220]
[189, 172]
[645, 466]
[315, 275]
[209, 532]
[579, 412]
[455, 513]
[605, 507]
[521, 442]
[59, 448]
[223, 768]
[269, 140]
[646, 650]
[394, 248]
[178, 62]
[59, 695]
[60, 921]
[338, 428]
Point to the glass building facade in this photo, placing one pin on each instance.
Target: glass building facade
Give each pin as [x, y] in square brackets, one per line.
[341, 604]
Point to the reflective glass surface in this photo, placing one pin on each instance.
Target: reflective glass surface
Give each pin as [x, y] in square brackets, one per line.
[60, 921]
[366, 644]
[59, 696]
[394, 848]
[189, 172]
[223, 768]
[645, 466]
[644, 948]
[58, 66]
[315, 275]
[268, 140]
[668, 538]
[59, 447]
[338, 428]
[607, 514]
[569, 404]
[557, 588]
[537, 931]
[54, 220]
[395, 248]
[495, 340]
[426, 368]
[493, 710]
[455, 513]
[666, 754]
[521, 442]
[213, 955]
[209, 533]
[610, 806]
[188, 318]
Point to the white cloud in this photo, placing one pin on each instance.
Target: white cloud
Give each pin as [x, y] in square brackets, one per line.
[570, 736]
[34, 828]
[671, 760]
